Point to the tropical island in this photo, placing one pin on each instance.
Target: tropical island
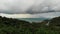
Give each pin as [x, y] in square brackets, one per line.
[15, 26]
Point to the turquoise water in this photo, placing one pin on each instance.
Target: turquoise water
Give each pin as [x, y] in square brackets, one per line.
[33, 19]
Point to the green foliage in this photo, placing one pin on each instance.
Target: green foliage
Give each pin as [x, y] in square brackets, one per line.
[14, 26]
[55, 23]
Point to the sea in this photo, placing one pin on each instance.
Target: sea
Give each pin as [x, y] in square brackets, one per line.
[33, 19]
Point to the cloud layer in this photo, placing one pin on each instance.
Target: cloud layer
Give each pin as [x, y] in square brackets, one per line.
[46, 5]
[15, 6]
[20, 8]
[44, 15]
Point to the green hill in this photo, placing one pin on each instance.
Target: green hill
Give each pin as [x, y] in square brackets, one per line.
[14, 26]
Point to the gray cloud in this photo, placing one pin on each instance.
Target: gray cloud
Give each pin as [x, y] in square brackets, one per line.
[44, 15]
[28, 6]
[45, 7]
[15, 6]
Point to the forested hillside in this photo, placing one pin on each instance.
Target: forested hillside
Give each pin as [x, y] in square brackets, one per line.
[14, 26]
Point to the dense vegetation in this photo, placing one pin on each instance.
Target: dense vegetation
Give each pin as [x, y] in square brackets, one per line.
[14, 26]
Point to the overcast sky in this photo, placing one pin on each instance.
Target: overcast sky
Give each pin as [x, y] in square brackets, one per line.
[19, 8]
